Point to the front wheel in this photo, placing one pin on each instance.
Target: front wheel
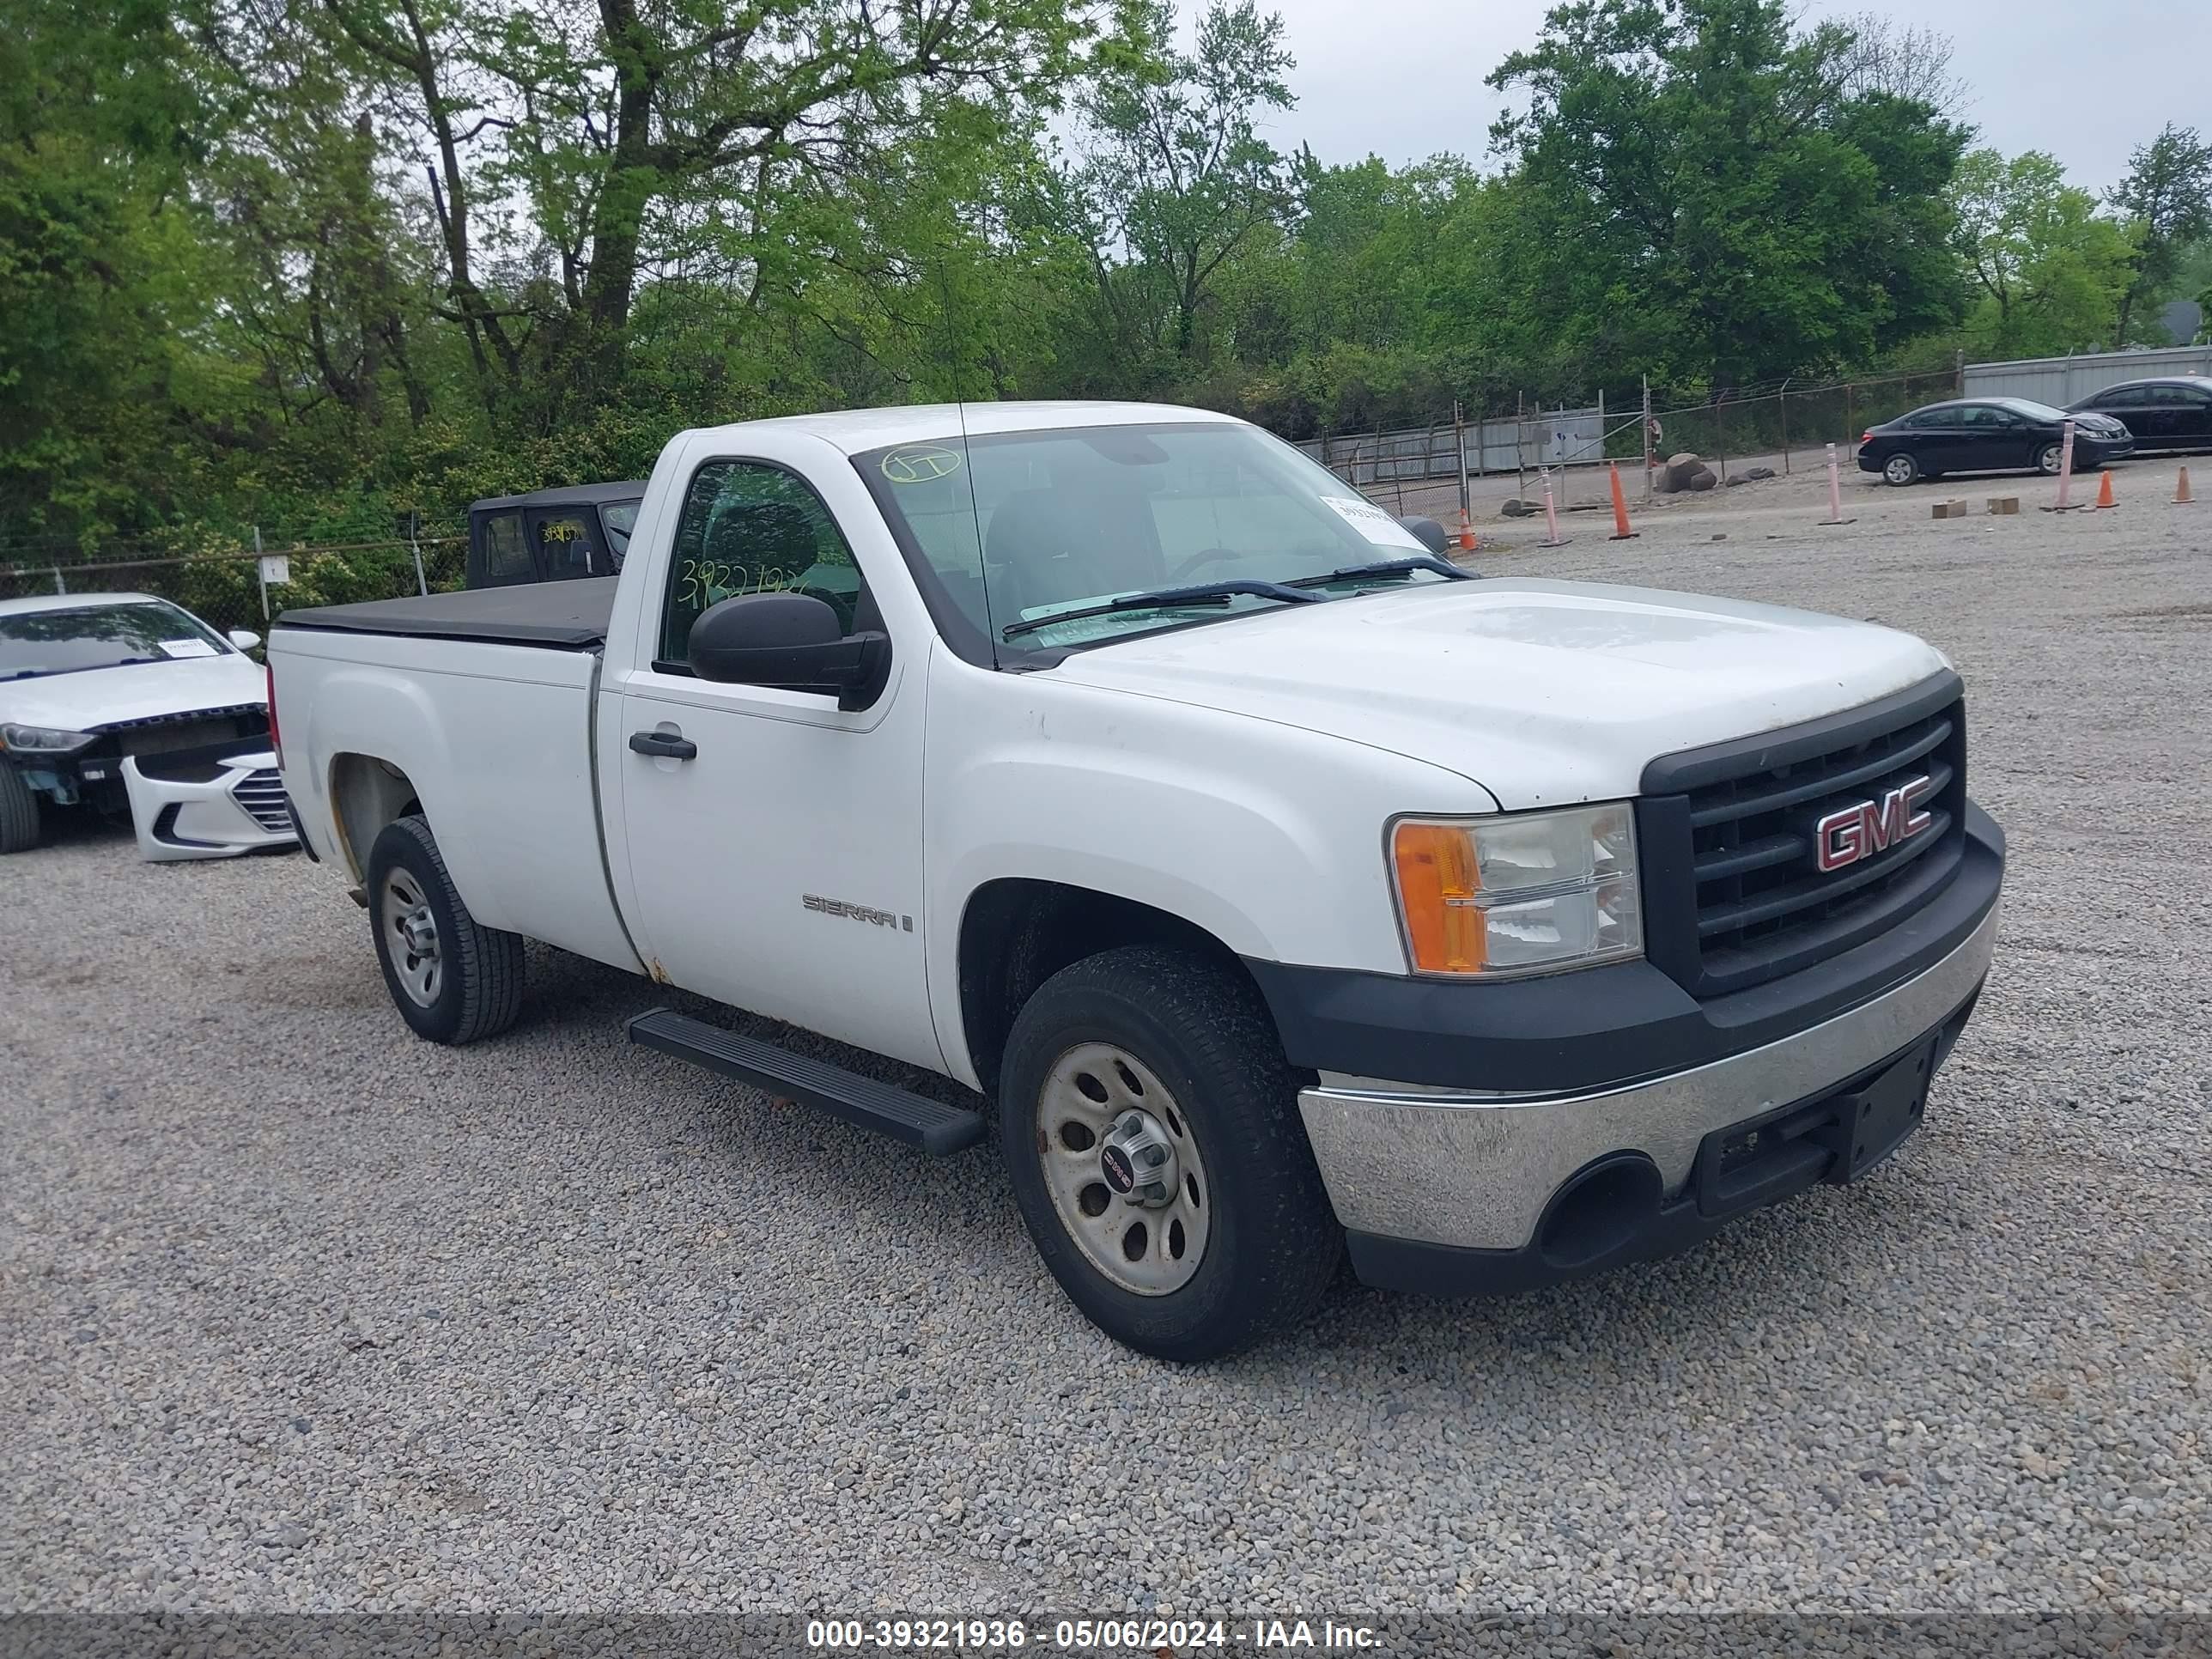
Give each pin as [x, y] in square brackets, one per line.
[1900, 469]
[2049, 458]
[19, 812]
[1150, 1126]
[452, 979]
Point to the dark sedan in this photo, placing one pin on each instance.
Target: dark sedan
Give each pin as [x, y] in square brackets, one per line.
[1988, 434]
[2172, 412]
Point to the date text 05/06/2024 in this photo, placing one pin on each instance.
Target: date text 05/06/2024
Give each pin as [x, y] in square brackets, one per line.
[1146, 1636]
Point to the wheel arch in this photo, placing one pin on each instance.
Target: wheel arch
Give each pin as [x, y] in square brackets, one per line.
[366, 793]
[1017, 931]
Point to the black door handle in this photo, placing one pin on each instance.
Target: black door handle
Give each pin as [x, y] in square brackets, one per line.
[663, 746]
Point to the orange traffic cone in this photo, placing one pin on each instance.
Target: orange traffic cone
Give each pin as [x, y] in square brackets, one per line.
[1467, 541]
[2181, 495]
[1621, 532]
[2104, 491]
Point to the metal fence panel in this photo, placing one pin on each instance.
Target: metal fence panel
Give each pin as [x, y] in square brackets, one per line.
[1551, 437]
[2060, 380]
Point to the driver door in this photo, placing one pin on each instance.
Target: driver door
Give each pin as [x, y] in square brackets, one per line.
[1986, 439]
[777, 867]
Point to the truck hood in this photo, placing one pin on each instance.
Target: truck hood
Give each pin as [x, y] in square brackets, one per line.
[1545, 693]
[93, 698]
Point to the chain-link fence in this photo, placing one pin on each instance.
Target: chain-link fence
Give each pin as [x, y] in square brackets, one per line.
[224, 586]
[1784, 425]
[1788, 427]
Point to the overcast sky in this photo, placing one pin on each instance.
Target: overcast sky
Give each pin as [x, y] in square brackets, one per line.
[1402, 79]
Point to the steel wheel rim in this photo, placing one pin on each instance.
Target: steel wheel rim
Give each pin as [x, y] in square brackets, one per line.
[1149, 1250]
[410, 935]
[1898, 470]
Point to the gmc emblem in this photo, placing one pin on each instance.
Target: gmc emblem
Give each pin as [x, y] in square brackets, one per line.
[1855, 832]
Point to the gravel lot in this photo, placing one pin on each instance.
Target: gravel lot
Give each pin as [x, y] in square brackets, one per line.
[298, 1313]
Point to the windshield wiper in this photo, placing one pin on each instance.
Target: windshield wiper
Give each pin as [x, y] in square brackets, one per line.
[1169, 599]
[1387, 570]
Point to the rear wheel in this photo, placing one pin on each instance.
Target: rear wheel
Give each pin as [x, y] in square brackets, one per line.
[1150, 1126]
[452, 979]
[19, 812]
[1900, 469]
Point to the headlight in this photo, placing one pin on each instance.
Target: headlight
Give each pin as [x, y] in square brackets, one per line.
[1525, 893]
[43, 739]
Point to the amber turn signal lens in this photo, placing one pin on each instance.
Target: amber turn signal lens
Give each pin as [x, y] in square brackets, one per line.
[1437, 886]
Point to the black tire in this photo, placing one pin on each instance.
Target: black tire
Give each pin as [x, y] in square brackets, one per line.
[2047, 460]
[1273, 1243]
[19, 812]
[1900, 469]
[478, 989]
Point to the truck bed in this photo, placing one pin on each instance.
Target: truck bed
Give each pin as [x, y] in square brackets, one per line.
[570, 616]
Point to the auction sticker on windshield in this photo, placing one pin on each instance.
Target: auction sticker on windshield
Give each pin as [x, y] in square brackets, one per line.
[1372, 522]
[186, 648]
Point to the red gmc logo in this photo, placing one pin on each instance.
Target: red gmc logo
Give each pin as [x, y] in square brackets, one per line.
[1856, 832]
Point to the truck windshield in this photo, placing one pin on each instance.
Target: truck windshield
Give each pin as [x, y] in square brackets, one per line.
[68, 640]
[1022, 526]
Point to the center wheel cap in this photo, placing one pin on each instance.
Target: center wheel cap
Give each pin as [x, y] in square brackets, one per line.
[1137, 1160]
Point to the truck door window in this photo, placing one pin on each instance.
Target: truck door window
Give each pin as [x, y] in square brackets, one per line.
[506, 558]
[749, 527]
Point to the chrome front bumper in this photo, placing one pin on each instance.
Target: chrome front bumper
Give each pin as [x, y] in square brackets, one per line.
[1474, 1170]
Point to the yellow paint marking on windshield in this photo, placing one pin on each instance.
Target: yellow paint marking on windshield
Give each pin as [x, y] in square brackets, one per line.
[924, 463]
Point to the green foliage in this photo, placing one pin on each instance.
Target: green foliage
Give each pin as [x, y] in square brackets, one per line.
[314, 265]
[2050, 273]
[2167, 196]
[1696, 194]
[1177, 177]
[100, 273]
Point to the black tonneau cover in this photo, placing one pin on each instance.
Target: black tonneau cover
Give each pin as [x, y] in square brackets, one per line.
[568, 615]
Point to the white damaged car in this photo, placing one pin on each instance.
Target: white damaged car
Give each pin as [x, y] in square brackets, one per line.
[126, 701]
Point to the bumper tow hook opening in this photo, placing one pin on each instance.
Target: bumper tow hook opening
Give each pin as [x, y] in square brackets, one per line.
[1600, 1211]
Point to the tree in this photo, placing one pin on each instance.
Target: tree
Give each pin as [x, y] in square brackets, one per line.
[1697, 193]
[640, 136]
[2167, 194]
[1897, 58]
[102, 273]
[2048, 271]
[1177, 179]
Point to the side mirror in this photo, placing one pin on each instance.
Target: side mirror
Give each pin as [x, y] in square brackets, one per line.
[789, 640]
[244, 638]
[1428, 532]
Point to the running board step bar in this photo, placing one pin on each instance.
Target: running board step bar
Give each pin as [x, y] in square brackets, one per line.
[903, 1116]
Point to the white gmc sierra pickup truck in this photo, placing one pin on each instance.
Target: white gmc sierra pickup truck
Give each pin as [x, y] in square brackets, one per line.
[1280, 886]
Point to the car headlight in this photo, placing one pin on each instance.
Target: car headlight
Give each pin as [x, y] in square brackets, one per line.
[42, 740]
[1524, 893]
